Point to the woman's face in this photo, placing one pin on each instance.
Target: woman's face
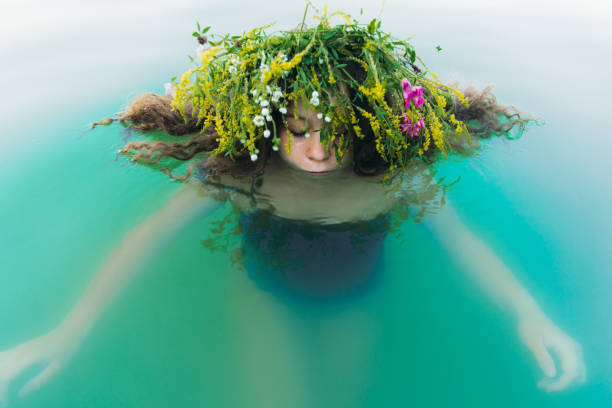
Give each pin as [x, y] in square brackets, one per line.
[307, 153]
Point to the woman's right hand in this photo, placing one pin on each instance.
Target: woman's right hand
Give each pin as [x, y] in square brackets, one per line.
[51, 352]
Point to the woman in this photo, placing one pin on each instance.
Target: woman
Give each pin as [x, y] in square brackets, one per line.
[316, 134]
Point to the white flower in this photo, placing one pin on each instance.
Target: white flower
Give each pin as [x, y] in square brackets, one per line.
[253, 157]
[268, 89]
[282, 110]
[264, 103]
[314, 98]
[254, 92]
[258, 120]
[266, 133]
[265, 112]
[264, 67]
[276, 96]
[327, 119]
[243, 141]
[232, 69]
[275, 148]
[169, 89]
[269, 118]
[307, 135]
[319, 115]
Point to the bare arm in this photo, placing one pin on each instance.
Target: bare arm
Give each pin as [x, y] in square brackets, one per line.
[55, 348]
[137, 246]
[477, 259]
[536, 330]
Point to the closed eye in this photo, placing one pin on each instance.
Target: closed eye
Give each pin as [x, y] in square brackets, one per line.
[300, 133]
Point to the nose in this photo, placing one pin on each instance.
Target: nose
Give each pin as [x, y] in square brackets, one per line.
[315, 150]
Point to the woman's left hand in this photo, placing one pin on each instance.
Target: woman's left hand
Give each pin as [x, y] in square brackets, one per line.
[541, 335]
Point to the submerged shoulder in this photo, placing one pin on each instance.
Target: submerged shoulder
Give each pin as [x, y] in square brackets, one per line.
[225, 187]
[418, 190]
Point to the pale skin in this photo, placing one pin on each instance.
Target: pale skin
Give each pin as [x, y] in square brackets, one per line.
[300, 185]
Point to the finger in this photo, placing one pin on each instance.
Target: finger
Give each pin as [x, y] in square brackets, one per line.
[561, 383]
[38, 381]
[543, 357]
[570, 363]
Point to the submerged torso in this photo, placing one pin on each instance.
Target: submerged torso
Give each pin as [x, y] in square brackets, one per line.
[310, 237]
[305, 260]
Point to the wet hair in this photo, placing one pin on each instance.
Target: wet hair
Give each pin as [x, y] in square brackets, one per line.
[150, 113]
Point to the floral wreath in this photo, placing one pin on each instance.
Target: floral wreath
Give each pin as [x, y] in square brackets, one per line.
[241, 80]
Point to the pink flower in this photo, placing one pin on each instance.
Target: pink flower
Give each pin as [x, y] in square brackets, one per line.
[412, 94]
[412, 129]
[406, 87]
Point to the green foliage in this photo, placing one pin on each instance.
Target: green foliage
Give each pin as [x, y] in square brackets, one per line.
[240, 80]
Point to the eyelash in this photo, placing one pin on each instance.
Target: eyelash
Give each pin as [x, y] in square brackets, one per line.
[299, 134]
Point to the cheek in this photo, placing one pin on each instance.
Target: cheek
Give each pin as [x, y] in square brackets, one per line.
[348, 157]
[294, 156]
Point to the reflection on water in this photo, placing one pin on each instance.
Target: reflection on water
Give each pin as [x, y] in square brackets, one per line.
[405, 325]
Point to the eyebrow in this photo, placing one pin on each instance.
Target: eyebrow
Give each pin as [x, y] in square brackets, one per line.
[290, 116]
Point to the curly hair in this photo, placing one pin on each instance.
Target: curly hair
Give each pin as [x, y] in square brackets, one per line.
[151, 112]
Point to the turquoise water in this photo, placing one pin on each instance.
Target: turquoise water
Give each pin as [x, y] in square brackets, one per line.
[190, 330]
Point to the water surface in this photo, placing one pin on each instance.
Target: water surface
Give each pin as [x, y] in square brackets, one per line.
[192, 330]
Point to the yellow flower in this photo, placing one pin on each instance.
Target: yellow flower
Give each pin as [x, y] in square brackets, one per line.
[437, 134]
[331, 79]
[277, 67]
[363, 64]
[207, 56]
[375, 93]
[460, 96]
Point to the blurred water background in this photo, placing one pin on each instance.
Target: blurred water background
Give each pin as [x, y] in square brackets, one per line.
[190, 332]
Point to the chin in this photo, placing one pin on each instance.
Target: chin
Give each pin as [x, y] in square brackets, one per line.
[320, 171]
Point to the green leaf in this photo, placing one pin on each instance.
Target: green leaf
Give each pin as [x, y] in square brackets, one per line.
[195, 34]
[372, 26]
[438, 48]
[361, 12]
[205, 30]
[198, 25]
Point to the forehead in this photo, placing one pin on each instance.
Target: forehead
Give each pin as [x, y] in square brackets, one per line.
[303, 111]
